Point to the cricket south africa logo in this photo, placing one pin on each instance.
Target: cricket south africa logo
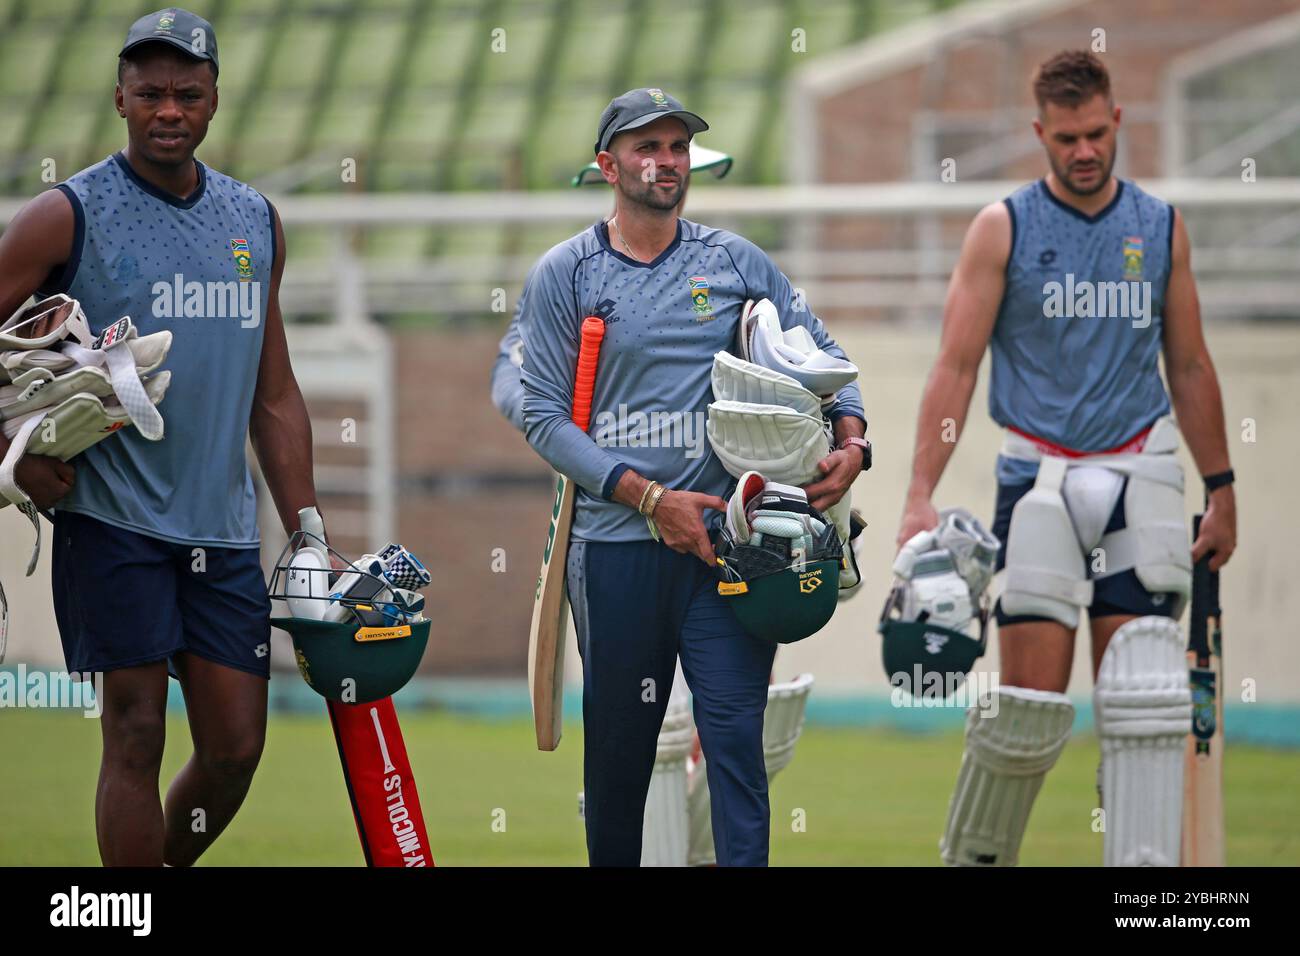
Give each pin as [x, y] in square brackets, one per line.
[243, 259]
[1132, 257]
[699, 286]
[658, 97]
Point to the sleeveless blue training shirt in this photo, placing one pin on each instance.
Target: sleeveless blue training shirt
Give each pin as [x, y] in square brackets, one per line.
[200, 267]
[1077, 341]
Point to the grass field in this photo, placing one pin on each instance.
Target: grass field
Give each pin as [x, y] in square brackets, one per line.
[868, 797]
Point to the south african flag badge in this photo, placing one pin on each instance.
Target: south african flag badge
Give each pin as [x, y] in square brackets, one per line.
[700, 298]
[243, 259]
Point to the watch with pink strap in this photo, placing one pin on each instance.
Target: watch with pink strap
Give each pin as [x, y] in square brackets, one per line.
[861, 443]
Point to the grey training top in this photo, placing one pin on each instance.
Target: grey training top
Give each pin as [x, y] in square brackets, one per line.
[664, 322]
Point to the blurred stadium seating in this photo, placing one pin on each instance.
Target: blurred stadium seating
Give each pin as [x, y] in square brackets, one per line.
[421, 93]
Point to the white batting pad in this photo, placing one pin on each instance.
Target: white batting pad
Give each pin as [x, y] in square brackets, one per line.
[1143, 712]
[1007, 756]
[780, 443]
[735, 380]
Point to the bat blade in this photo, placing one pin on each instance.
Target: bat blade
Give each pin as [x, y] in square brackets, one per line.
[1203, 830]
[547, 631]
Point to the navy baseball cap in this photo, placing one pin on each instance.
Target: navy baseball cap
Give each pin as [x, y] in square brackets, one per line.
[639, 107]
[187, 32]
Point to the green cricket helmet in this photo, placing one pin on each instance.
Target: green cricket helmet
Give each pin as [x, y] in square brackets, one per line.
[941, 576]
[778, 561]
[358, 635]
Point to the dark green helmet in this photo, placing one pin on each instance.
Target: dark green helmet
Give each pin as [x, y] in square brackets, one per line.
[349, 662]
[359, 636]
[919, 655]
[784, 580]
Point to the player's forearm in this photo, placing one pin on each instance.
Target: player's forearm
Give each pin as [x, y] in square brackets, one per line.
[944, 407]
[1198, 404]
[630, 489]
[848, 426]
[281, 436]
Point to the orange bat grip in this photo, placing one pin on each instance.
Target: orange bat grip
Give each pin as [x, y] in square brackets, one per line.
[584, 383]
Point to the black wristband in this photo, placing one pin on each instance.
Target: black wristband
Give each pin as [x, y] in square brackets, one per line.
[1215, 482]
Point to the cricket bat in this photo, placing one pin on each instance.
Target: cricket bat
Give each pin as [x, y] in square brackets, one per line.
[551, 604]
[1203, 767]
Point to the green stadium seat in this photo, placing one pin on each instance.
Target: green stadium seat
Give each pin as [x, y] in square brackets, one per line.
[371, 46]
[442, 52]
[740, 47]
[347, 122]
[420, 123]
[299, 57]
[64, 126]
[57, 11]
[593, 39]
[272, 134]
[90, 62]
[565, 140]
[528, 28]
[666, 48]
[732, 112]
[26, 53]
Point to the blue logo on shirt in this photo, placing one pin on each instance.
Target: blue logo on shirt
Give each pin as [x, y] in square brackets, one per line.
[126, 270]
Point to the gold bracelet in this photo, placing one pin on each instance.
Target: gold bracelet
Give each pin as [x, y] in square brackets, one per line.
[660, 491]
[650, 486]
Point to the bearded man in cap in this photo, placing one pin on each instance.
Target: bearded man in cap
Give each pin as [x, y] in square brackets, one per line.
[641, 568]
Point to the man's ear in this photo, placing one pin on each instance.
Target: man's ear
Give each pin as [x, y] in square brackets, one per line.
[213, 111]
[608, 166]
[119, 101]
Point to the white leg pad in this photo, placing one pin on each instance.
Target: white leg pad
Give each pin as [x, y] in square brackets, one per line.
[1143, 712]
[700, 811]
[783, 722]
[665, 829]
[1002, 769]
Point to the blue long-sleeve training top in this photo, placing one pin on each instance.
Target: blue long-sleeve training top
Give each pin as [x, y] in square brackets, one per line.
[664, 322]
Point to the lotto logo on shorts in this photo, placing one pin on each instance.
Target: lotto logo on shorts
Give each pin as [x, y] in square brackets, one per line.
[243, 259]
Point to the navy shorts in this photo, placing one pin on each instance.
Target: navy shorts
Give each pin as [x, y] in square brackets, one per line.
[122, 599]
[1120, 593]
